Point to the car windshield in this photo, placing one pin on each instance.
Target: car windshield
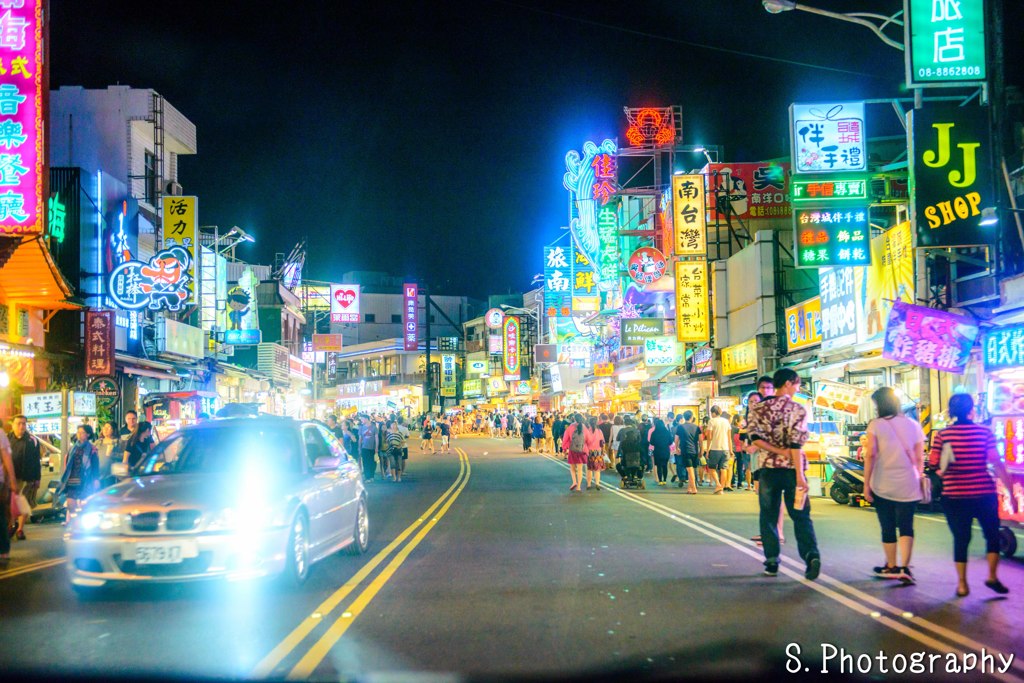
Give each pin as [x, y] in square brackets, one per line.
[226, 449]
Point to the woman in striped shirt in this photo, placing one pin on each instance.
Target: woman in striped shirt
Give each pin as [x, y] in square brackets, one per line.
[968, 490]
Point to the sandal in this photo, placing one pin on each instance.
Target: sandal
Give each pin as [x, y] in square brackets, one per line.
[998, 587]
[963, 593]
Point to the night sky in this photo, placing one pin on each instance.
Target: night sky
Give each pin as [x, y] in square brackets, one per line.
[428, 139]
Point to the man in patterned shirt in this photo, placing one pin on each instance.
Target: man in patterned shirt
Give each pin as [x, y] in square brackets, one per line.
[777, 427]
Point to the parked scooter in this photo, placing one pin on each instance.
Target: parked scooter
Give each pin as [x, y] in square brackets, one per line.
[847, 479]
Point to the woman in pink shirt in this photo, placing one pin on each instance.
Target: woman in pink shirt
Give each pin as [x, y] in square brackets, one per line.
[574, 442]
[595, 454]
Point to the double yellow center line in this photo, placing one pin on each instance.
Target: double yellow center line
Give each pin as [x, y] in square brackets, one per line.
[322, 647]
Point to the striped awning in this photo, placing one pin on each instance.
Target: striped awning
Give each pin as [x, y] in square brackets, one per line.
[30, 277]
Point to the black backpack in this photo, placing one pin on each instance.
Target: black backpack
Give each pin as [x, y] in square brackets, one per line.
[629, 440]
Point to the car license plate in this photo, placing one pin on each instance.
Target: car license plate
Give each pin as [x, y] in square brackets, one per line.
[161, 553]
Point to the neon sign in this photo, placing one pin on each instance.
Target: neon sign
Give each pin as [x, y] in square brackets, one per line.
[816, 190]
[832, 237]
[510, 347]
[647, 265]
[162, 283]
[588, 194]
[21, 117]
[58, 216]
[650, 126]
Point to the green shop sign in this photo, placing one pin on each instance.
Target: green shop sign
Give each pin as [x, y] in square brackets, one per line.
[828, 190]
[945, 41]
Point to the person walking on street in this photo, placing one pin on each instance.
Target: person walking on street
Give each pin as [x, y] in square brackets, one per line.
[427, 436]
[549, 434]
[688, 441]
[131, 421]
[81, 472]
[963, 452]
[893, 468]
[645, 443]
[107, 451]
[595, 453]
[719, 447]
[526, 430]
[538, 433]
[557, 432]
[138, 445]
[574, 442]
[446, 434]
[8, 489]
[778, 430]
[404, 431]
[27, 456]
[661, 439]
[393, 444]
[368, 448]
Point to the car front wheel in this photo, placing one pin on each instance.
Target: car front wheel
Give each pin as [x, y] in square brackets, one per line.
[361, 534]
[297, 566]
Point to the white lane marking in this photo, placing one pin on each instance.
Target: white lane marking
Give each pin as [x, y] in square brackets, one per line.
[746, 547]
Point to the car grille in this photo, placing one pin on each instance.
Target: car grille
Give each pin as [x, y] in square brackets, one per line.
[182, 520]
[146, 521]
[190, 565]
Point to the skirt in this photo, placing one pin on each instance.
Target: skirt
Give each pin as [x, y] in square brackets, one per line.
[595, 462]
[577, 458]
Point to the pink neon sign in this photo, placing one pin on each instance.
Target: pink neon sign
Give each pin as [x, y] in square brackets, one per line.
[21, 117]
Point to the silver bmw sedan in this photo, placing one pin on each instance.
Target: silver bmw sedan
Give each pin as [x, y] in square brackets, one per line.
[235, 498]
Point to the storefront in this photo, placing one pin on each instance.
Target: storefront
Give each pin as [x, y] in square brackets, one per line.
[171, 411]
[739, 367]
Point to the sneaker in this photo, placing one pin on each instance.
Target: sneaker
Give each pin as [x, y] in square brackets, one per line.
[661, 483]
[771, 568]
[675, 478]
[886, 572]
[906, 578]
[728, 488]
[813, 568]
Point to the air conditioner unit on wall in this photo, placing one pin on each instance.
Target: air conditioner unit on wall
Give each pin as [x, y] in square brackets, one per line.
[173, 188]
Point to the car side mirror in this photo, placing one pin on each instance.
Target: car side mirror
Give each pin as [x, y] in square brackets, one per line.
[326, 463]
[119, 470]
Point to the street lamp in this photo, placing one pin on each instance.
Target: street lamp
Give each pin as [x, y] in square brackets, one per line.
[862, 18]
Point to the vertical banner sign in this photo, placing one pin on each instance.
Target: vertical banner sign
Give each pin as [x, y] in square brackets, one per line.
[584, 284]
[557, 272]
[689, 215]
[344, 303]
[448, 374]
[950, 177]
[839, 320]
[510, 338]
[22, 158]
[608, 243]
[410, 321]
[945, 41]
[692, 303]
[180, 223]
[828, 138]
[590, 178]
[99, 343]
[889, 279]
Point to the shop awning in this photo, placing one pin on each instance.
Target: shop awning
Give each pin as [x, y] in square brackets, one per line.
[838, 370]
[143, 367]
[658, 374]
[746, 379]
[30, 278]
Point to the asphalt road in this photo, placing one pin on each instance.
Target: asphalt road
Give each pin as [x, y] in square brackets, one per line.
[493, 567]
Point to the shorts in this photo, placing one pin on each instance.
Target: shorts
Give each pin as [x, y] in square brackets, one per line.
[395, 458]
[444, 440]
[688, 460]
[29, 489]
[595, 462]
[718, 460]
[577, 458]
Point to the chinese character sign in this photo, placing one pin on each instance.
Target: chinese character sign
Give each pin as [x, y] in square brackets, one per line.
[805, 191]
[929, 338]
[344, 303]
[803, 324]
[410, 319]
[890, 278]
[740, 358]
[828, 138]
[22, 158]
[448, 374]
[99, 343]
[557, 278]
[662, 351]
[180, 220]
[689, 215]
[585, 296]
[748, 190]
[42, 405]
[647, 265]
[589, 178]
[608, 243]
[832, 237]
[510, 339]
[950, 175]
[946, 42]
[1004, 348]
[164, 282]
[692, 303]
[838, 289]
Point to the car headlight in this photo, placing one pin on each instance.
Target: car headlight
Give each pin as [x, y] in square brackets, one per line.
[99, 521]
